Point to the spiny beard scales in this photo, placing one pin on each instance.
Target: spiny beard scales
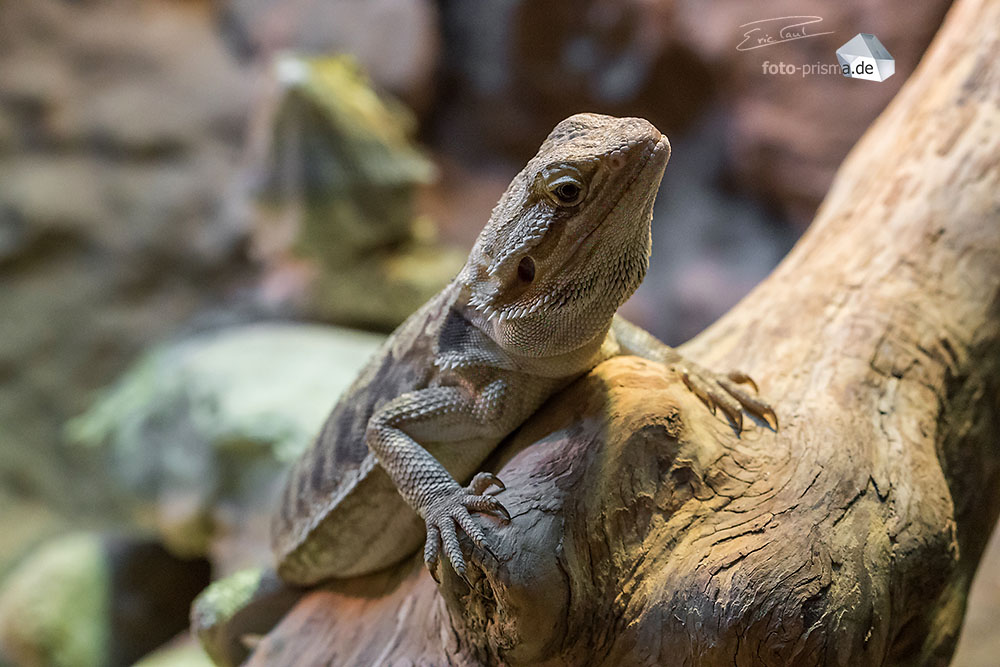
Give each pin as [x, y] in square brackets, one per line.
[577, 310]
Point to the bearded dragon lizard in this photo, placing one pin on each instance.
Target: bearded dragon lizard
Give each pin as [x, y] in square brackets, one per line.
[533, 309]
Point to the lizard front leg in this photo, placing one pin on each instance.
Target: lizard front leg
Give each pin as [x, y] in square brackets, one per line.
[714, 390]
[450, 414]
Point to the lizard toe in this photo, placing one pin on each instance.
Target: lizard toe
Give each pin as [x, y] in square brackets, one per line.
[730, 407]
[475, 533]
[739, 377]
[487, 505]
[752, 404]
[483, 481]
[451, 545]
[469, 527]
[432, 551]
[724, 392]
[698, 387]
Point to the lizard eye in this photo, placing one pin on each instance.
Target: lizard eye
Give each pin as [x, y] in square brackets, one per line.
[568, 193]
[526, 269]
[564, 185]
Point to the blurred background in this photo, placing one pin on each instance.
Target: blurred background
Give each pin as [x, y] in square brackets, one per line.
[211, 211]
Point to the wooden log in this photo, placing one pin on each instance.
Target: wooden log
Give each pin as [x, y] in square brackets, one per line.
[646, 532]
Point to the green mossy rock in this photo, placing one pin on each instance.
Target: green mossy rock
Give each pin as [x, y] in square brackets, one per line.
[247, 603]
[186, 654]
[334, 176]
[54, 606]
[345, 154]
[198, 433]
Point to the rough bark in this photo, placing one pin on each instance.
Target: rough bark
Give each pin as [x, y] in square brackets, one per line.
[646, 532]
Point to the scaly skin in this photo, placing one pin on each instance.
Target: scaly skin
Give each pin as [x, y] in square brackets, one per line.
[532, 310]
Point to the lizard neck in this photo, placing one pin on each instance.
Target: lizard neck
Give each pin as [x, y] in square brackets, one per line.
[571, 363]
[567, 364]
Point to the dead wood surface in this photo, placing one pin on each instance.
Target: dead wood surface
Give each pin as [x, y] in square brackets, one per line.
[646, 533]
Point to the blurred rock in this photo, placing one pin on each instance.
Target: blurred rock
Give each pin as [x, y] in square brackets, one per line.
[246, 604]
[260, 28]
[377, 291]
[89, 600]
[334, 171]
[184, 652]
[23, 525]
[788, 132]
[120, 124]
[328, 143]
[515, 69]
[54, 608]
[151, 593]
[198, 433]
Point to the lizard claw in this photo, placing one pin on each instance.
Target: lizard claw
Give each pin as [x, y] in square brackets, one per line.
[724, 393]
[752, 404]
[432, 550]
[483, 481]
[486, 505]
[740, 377]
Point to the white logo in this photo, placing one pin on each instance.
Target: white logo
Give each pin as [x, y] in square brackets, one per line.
[864, 57]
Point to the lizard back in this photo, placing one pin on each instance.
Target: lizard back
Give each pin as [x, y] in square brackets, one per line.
[323, 527]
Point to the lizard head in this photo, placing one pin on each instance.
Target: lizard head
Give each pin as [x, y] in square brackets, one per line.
[569, 240]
